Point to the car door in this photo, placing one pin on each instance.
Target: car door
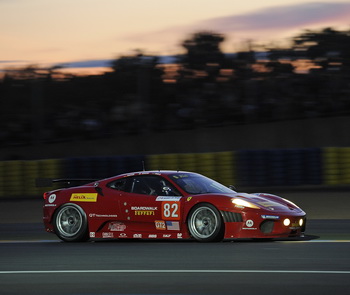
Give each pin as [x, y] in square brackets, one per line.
[147, 208]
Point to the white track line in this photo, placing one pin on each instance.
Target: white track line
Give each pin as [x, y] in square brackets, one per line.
[317, 241]
[194, 271]
[27, 241]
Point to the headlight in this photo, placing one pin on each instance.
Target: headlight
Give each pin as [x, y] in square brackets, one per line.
[286, 222]
[243, 203]
[301, 222]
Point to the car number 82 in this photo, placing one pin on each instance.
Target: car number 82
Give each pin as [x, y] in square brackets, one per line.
[170, 210]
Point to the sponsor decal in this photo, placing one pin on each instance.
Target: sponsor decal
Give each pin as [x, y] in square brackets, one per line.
[167, 236]
[137, 236]
[295, 226]
[122, 235]
[50, 205]
[107, 235]
[173, 225]
[160, 224]
[180, 176]
[249, 223]
[152, 236]
[179, 236]
[144, 208]
[189, 199]
[145, 211]
[93, 215]
[168, 198]
[92, 234]
[84, 197]
[270, 217]
[116, 226]
[52, 198]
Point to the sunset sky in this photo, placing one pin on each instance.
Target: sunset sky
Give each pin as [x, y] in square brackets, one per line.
[45, 32]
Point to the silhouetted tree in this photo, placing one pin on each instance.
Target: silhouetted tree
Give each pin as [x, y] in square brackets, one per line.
[138, 81]
[327, 48]
[136, 73]
[203, 48]
[278, 68]
[203, 54]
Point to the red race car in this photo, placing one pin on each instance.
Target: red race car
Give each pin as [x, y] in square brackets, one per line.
[167, 205]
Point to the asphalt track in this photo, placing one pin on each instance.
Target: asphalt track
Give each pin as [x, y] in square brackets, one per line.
[34, 262]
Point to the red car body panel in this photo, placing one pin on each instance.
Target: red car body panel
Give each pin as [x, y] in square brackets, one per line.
[117, 214]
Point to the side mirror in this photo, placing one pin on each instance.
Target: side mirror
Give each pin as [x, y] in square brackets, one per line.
[99, 190]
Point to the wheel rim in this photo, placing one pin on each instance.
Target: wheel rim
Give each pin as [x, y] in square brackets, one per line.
[203, 222]
[69, 221]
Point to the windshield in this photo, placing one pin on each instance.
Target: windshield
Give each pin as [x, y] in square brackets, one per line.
[198, 184]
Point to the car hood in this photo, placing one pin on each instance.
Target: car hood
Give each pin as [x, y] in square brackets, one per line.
[269, 202]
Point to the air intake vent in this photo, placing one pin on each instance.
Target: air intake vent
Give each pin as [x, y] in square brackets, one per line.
[267, 226]
[231, 216]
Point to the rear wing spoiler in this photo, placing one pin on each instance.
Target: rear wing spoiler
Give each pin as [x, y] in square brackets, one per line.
[48, 182]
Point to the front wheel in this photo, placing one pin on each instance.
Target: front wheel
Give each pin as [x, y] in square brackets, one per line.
[70, 223]
[205, 223]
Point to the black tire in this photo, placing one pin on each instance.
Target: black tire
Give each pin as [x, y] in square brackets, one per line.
[205, 223]
[70, 223]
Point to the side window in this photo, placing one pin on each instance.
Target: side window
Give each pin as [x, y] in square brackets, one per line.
[123, 184]
[141, 186]
[153, 185]
[168, 189]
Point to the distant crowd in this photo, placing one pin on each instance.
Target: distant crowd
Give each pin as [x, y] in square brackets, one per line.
[242, 102]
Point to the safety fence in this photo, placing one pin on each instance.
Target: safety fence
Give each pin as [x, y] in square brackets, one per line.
[241, 168]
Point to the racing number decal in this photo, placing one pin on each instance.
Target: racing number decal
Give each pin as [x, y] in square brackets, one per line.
[170, 210]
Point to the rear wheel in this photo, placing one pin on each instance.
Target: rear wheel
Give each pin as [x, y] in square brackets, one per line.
[70, 223]
[205, 223]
